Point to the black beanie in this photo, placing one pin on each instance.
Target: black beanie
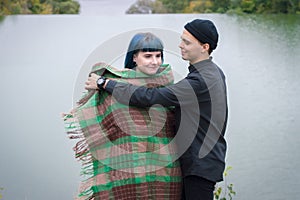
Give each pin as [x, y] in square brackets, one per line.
[204, 31]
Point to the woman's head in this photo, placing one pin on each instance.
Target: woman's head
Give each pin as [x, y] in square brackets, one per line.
[145, 53]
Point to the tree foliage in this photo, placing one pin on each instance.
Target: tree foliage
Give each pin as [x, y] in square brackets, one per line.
[220, 6]
[13, 7]
[224, 191]
[0, 193]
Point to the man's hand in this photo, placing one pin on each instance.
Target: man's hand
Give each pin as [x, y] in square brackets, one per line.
[91, 83]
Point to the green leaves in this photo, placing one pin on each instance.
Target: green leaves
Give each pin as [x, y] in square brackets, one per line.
[224, 191]
[231, 6]
[39, 7]
[0, 193]
[226, 170]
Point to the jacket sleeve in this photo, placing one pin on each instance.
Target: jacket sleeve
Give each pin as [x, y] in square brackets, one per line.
[128, 94]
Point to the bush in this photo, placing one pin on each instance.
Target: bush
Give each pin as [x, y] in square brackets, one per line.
[224, 191]
[16, 7]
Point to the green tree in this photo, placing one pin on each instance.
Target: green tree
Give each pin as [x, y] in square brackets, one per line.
[283, 6]
[11, 7]
[277, 6]
[248, 6]
[65, 7]
[175, 6]
[237, 6]
[0, 193]
[199, 6]
[221, 6]
[158, 7]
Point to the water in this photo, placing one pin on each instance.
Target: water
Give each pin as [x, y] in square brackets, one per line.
[43, 57]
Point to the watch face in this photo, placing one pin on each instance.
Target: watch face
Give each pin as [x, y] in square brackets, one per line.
[100, 81]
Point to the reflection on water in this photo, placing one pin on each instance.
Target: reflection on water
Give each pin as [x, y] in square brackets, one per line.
[41, 56]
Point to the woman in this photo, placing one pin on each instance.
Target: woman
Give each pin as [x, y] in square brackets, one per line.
[127, 151]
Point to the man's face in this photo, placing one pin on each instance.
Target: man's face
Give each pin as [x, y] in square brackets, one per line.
[148, 62]
[191, 48]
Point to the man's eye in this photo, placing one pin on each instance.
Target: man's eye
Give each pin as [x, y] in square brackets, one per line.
[186, 42]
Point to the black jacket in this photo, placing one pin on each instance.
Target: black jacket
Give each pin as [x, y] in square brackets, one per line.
[201, 111]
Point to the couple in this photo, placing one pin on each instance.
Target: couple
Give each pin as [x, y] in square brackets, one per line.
[199, 103]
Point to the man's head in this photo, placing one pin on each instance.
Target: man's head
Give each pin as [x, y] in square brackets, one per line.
[204, 31]
[199, 39]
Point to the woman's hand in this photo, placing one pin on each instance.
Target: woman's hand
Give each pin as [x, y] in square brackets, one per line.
[91, 83]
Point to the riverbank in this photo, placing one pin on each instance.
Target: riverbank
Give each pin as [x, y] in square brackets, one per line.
[104, 7]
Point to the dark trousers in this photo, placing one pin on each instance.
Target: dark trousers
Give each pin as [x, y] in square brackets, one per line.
[197, 188]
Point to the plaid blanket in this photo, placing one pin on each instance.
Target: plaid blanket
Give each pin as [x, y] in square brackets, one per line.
[126, 152]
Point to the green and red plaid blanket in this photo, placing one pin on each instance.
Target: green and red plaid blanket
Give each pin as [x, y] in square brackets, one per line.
[126, 152]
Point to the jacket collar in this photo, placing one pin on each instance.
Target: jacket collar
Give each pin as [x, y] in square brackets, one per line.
[200, 64]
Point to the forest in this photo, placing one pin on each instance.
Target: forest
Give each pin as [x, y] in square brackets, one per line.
[216, 6]
[13, 7]
[10, 7]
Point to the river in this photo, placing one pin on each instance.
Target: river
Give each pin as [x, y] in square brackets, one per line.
[44, 59]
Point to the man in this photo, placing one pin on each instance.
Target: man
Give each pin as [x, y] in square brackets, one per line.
[200, 102]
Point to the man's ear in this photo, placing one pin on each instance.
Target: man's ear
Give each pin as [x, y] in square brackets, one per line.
[206, 46]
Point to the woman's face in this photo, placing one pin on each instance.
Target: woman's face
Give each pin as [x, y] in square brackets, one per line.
[147, 62]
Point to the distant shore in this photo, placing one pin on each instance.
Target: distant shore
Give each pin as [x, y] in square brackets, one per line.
[104, 7]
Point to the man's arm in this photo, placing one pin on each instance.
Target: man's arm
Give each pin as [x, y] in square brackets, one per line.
[181, 93]
[141, 96]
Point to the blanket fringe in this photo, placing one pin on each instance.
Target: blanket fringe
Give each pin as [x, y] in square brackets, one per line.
[82, 153]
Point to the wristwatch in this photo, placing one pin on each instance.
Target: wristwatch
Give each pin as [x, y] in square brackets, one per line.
[101, 82]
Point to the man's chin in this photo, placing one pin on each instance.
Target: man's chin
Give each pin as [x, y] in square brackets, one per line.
[183, 58]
